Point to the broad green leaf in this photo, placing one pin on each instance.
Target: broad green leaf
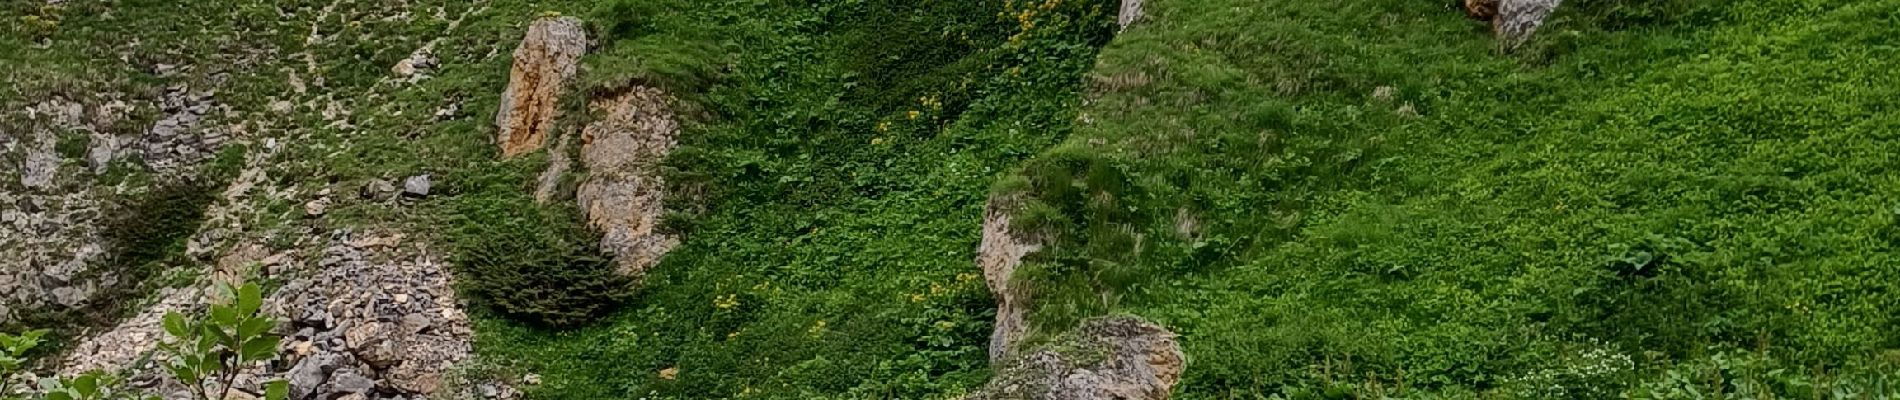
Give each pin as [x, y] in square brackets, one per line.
[249, 299]
[182, 372]
[210, 365]
[251, 327]
[223, 315]
[260, 348]
[175, 324]
[58, 396]
[87, 384]
[277, 390]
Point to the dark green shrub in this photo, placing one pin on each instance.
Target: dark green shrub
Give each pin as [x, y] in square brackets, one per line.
[529, 262]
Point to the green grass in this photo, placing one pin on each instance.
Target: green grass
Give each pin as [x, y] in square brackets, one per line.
[1652, 198]
[831, 253]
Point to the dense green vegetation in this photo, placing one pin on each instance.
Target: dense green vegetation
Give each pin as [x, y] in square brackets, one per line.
[841, 158]
[524, 261]
[1655, 199]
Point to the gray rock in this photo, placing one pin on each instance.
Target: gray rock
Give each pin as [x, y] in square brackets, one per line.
[1130, 12]
[999, 253]
[348, 381]
[41, 163]
[1107, 358]
[310, 374]
[416, 186]
[1517, 20]
[377, 189]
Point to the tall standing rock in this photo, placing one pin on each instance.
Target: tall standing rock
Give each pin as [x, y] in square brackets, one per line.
[624, 194]
[549, 54]
[1518, 19]
[1513, 21]
[1130, 11]
[1000, 252]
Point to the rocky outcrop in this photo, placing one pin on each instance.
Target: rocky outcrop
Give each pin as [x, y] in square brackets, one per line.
[48, 231]
[1512, 21]
[999, 253]
[50, 242]
[1518, 19]
[1130, 12]
[377, 317]
[373, 318]
[1107, 358]
[624, 195]
[549, 55]
[182, 137]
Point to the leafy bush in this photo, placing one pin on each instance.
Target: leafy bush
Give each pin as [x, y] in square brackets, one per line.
[524, 260]
[205, 353]
[208, 354]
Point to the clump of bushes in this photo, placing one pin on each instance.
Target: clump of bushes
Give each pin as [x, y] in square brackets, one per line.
[533, 263]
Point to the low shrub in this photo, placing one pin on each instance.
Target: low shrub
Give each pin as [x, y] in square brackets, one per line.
[532, 263]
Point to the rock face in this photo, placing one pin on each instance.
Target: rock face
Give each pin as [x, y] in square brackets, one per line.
[48, 231]
[371, 318]
[1000, 252]
[181, 138]
[1108, 358]
[1513, 21]
[1130, 11]
[374, 319]
[549, 55]
[1518, 19]
[623, 196]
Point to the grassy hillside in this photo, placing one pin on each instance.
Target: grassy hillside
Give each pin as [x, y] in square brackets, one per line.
[841, 155]
[1351, 199]
[1655, 199]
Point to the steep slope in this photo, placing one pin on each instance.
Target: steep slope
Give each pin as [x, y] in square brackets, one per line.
[967, 199]
[1366, 199]
[216, 141]
[838, 160]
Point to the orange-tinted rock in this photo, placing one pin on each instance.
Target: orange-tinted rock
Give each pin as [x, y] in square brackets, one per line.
[624, 195]
[549, 55]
